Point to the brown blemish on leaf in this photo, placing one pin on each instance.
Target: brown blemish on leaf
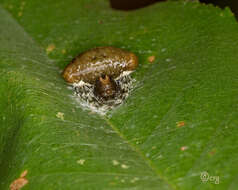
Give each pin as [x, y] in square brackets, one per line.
[212, 152]
[20, 182]
[50, 48]
[23, 174]
[151, 59]
[20, 14]
[183, 148]
[112, 183]
[180, 123]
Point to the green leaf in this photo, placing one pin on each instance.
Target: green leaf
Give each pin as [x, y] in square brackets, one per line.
[180, 120]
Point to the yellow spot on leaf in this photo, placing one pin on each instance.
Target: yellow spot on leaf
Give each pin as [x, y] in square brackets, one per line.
[60, 115]
[10, 6]
[63, 51]
[115, 162]
[20, 14]
[81, 161]
[134, 179]
[124, 166]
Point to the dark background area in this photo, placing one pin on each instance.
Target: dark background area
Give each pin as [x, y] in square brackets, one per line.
[136, 4]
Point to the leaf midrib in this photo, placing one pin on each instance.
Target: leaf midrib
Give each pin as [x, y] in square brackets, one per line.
[147, 161]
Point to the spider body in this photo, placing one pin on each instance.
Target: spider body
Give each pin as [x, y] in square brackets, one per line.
[100, 67]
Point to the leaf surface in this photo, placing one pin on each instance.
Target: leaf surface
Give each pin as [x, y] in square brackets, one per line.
[180, 120]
